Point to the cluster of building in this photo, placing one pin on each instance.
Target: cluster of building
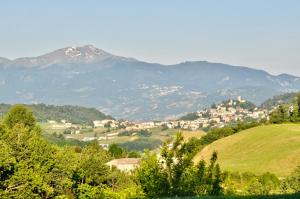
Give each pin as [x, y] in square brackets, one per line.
[224, 113]
[216, 116]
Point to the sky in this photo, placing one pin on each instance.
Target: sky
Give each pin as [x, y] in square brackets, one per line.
[263, 34]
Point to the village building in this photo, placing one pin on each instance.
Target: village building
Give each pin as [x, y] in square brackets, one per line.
[125, 164]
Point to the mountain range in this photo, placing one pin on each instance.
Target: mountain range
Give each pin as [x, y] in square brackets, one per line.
[132, 89]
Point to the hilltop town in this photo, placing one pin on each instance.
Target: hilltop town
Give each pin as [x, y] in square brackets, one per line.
[109, 130]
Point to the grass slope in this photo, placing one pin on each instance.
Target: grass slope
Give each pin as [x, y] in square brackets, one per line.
[272, 148]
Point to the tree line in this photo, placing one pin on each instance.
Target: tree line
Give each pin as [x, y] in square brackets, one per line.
[289, 112]
[73, 114]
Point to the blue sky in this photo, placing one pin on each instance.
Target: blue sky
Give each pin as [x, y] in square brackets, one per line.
[263, 34]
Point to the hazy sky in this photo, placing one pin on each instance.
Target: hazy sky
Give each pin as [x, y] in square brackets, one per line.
[263, 34]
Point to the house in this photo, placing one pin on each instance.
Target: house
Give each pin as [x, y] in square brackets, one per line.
[88, 139]
[102, 123]
[125, 164]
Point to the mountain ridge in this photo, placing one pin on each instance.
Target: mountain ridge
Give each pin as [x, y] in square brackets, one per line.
[106, 54]
[132, 89]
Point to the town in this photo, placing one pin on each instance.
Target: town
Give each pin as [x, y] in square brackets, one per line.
[216, 116]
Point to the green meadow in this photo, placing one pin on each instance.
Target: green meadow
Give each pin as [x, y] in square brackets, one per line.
[270, 148]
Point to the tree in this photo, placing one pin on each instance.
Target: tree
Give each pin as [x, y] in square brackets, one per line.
[34, 162]
[298, 102]
[293, 180]
[116, 151]
[30, 167]
[7, 162]
[19, 114]
[91, 168]
[151, 176]
[294, 115]
[280, 115]
[214, 176]
[176, 159]
[216, 184]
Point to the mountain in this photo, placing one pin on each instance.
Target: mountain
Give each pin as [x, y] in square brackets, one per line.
[73, 114]
[132, 89]
[69, 55]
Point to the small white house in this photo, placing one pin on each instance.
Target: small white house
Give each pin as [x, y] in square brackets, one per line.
[125, 164]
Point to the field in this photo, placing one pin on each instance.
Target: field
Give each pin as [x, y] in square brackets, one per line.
[132, 142]
[272, 148]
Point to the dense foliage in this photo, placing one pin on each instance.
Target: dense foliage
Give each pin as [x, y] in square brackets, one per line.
[174, 174]
[279, 99]
[141, 144]
[73, 114]
[287, 112]
[31, 167]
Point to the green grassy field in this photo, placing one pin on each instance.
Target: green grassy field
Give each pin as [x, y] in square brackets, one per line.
[272, 148]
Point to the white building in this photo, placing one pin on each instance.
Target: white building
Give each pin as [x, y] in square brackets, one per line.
[125, 164]
[102, 123]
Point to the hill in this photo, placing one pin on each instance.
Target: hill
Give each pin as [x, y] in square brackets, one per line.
[279, 99]
[73, 114]
[272, 148]
[131, 89]
[244, 104]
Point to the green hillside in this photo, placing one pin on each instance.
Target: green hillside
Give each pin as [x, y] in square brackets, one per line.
[279, 99]
[73, 114]
[272, 148]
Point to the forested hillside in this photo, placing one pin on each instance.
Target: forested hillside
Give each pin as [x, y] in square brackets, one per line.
[279, 99]
[73, 114]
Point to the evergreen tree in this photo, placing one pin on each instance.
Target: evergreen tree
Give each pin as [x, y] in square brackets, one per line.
[216, 185]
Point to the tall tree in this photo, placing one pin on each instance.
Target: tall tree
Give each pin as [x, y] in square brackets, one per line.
[19, 114]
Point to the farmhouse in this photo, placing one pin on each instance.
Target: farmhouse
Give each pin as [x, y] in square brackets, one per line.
[125, 164]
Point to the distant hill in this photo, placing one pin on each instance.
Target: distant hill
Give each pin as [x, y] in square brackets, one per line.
[131, 89]
[73, 114]
[271, 148]
[279, 99]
